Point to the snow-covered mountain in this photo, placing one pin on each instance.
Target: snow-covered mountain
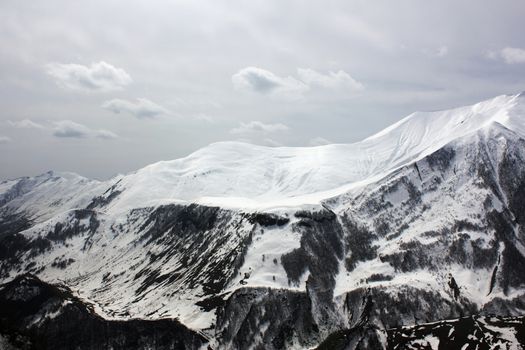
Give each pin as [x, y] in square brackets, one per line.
[240, 175]
[256, 247]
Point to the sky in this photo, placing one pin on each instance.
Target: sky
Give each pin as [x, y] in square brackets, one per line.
[106, 87]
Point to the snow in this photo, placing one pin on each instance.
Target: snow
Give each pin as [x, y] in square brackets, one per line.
[458, 199]
[47, 195]
[431, 341]
[234, 174]
[347, 281]
[507, 334]
[262, 262]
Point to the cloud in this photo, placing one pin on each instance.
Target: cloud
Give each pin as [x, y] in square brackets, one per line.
[25, 124]
[68, 128]
[142, 108]
[4, 139]
[319, 141]
[71, 129]
[332, 80]
[442, 51]
[265, 82]
[257, 126]
[105, 134]
[64, 129]
[101, 76]
[512, 55]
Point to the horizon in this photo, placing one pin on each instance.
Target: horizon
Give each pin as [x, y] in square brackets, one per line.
[116, 96]
[378, 132]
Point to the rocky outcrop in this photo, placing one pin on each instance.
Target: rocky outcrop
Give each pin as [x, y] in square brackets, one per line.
[37, 315]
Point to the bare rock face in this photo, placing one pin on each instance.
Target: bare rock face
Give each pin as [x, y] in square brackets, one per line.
[464, 333]
[489, 332]
[36, 315]
[267, 319]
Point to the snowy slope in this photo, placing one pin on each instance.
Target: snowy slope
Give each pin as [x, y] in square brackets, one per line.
[234, 174]
[41, 197]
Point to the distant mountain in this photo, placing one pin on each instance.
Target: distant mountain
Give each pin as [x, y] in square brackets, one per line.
[252, 247]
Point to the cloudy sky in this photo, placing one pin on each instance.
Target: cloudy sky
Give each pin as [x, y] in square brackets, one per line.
[103, 87]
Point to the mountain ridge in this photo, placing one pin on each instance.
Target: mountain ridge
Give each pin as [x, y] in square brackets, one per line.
[240, 175]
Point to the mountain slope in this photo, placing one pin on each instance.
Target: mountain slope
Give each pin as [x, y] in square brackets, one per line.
[284, 247]
[41, 197]
[242, 175]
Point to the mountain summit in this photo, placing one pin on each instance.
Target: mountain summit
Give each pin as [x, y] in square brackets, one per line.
[240, 175]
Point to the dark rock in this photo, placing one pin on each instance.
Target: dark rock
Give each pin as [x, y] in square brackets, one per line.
[464, 333]
[277, 317]
[267, 219]
[37, 315]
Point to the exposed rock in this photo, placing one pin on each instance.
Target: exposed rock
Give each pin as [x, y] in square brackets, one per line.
[36, 315]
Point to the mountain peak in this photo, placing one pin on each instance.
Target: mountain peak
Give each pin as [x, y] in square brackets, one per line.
[243, 175]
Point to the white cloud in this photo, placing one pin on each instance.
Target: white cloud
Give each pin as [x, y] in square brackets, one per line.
[319, 141]
[257, 126]
[265, 82]
[64, 129]
[71, 129]
[105, 134]
[142, 108]
[68, 128]
[25, 124]
[513, 55]
[4, 139]
[100, 76]
[332, 80]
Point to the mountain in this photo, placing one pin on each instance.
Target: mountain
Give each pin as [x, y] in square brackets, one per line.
[288, 248]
